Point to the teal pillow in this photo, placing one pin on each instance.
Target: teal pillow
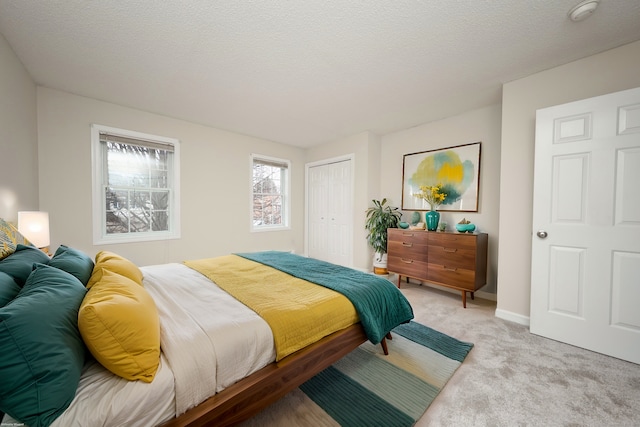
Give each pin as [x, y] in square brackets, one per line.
[8, 289]
[20, 263]
[41, 350]
[74, 262]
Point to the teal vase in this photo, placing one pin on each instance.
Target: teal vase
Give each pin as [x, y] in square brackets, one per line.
[432, 218]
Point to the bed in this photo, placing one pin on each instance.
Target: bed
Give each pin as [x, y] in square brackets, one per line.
[198, 354]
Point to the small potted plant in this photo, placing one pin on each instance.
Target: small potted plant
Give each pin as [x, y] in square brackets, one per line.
[380, 217]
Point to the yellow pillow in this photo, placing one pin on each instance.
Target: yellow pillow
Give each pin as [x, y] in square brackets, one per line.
[106, 260]
[10, 237]
[119, 323]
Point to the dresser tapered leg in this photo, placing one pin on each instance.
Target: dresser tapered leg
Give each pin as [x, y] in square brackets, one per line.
[464, 299]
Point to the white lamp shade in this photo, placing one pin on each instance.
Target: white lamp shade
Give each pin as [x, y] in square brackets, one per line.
[35, 227]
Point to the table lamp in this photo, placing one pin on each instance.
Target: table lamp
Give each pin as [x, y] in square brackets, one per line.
[34, 226]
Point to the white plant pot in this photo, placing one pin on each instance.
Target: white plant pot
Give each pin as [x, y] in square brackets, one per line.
[380, 263]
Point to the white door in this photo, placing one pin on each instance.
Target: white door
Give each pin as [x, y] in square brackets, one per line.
[339, 213]
[317, 213]
[329, 212]
[585, 278]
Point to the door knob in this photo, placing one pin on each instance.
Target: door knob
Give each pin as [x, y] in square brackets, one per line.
[542, 234]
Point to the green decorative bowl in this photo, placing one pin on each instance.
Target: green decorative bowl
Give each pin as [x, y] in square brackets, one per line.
[465, 228]
[403, 224]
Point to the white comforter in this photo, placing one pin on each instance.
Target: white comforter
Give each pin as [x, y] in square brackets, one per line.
[209, 341]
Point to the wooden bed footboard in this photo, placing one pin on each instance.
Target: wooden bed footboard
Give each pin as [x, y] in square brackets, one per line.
[252, 394]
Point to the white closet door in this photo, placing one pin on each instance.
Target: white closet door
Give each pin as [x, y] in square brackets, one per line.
[339, 209]
[329, 215]
[585, 279]
[317, 212]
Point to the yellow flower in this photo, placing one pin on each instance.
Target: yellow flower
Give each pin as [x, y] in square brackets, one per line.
[432, 194]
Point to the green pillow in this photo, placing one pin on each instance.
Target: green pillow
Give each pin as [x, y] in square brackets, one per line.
[8, 289]
[20, 263]
[41, 351]
[74, 262]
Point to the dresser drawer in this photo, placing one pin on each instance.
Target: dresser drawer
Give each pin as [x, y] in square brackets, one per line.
[455, 277]
[452, 257]
[412, 236]
[407, 249]
[451, 240]
[407, 266]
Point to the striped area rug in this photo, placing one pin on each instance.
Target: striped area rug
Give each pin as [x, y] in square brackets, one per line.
[367, 388]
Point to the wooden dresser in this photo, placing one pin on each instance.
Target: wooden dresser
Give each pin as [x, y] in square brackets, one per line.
[454, 260]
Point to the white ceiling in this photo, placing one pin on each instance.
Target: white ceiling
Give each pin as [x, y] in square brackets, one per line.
[303, 72]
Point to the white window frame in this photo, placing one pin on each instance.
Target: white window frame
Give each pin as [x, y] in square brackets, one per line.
[286, 194]
[99, 175]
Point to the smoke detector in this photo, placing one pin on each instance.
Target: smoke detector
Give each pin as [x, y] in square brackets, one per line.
[583, 10]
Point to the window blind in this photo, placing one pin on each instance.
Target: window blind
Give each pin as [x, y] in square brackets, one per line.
[154, 145]
[272, 163]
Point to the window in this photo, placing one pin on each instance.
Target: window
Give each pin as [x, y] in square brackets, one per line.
[269, 193]
[135, 186]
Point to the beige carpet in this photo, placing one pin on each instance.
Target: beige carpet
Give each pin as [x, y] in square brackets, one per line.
[510, 378]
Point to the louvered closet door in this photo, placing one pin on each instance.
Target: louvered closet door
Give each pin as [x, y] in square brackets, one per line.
[585, 280]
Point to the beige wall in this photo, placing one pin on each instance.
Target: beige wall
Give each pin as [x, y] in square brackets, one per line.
[481, 125]
[365, 148]
[45, 164]
[611, 71]
[215, 181]
[18, 137]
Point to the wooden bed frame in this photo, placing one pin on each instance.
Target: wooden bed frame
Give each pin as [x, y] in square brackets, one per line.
[252, 394]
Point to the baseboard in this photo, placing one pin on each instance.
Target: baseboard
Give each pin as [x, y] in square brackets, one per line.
[513, 317]
[393, 277]
[502, 314]
[486, 295]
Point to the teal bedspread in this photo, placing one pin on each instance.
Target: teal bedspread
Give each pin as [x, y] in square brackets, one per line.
[379, 304]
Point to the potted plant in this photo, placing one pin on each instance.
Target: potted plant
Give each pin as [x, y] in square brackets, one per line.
[380, 217]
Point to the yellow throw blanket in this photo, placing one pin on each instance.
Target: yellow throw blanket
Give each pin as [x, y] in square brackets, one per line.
[298, 312]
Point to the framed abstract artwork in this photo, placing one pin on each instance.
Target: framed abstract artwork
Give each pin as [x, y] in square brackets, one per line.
[456, 170]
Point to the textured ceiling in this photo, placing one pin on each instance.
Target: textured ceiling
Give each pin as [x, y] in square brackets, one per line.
[303, 72]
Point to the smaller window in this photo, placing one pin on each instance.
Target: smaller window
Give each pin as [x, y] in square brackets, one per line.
[269, 193]
[135, 186]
